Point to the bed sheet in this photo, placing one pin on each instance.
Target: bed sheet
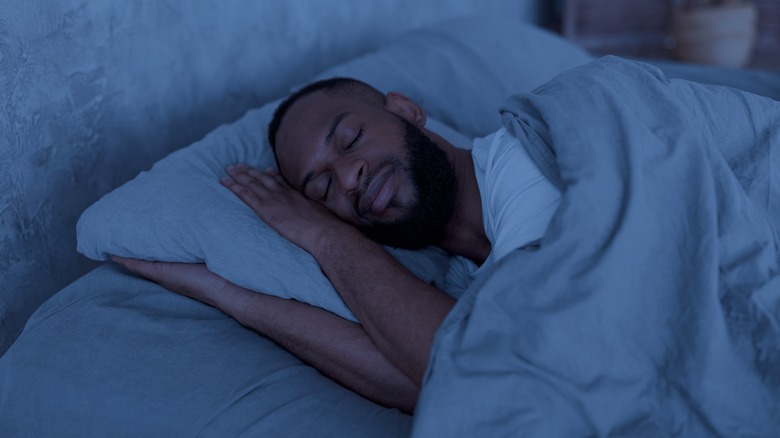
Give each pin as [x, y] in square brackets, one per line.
[132, 359]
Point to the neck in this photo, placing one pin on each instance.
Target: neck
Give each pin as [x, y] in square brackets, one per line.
[464, 234]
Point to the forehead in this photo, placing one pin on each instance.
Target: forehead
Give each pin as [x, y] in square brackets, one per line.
[304, 127]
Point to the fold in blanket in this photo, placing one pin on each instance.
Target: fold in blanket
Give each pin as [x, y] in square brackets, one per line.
[651, 307]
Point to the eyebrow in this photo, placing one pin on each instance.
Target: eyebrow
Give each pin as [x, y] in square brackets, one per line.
[328, 139]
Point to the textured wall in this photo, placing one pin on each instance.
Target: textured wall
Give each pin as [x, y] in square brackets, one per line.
[92, 92]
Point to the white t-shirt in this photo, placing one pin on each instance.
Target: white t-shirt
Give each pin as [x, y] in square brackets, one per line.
[517, 203]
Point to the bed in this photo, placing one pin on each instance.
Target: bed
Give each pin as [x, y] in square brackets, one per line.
[115, 355]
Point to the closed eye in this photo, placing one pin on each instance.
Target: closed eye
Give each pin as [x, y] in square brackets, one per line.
[355, 140]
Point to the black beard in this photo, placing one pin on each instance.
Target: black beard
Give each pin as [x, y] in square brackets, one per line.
[434, 184]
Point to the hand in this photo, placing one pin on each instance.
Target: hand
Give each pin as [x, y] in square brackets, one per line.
[298, 219]
[193, 280]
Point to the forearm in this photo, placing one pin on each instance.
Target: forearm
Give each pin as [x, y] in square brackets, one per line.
[335, 346]
[400, 312]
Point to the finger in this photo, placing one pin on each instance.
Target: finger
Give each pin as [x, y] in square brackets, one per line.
[236, 171]
[279, 178]
[123, 261]
[243, 176]
[150, 270]
[254, 172]
[257, 180]
[251, 171]
[274, 173]
[246, 195]
[271, 170]
[265, 177]
[249, 176]
[271, 180]
[261, 176]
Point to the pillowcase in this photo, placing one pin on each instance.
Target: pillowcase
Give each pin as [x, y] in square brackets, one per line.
[459, 71]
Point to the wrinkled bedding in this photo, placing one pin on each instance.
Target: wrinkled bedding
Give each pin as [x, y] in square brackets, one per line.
[115, 355]
[652, 306]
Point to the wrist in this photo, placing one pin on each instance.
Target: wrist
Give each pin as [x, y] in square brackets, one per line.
[327, 238]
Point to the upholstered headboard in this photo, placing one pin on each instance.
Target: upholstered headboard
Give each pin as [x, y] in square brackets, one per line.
[93, 92]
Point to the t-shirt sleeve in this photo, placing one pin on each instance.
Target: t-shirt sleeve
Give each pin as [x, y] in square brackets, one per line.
[520, 200]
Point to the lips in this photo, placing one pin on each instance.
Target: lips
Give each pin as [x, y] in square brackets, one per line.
[378, 194]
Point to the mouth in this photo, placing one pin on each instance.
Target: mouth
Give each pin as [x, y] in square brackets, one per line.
[379, 193]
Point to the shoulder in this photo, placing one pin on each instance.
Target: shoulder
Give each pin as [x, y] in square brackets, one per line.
[503, 166]
[517, 199]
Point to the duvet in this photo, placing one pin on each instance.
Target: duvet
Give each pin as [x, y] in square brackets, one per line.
[651, 305]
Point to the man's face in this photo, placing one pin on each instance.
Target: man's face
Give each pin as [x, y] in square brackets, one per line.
[369, 166]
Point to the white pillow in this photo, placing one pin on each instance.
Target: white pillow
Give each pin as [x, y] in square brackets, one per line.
[179, 212]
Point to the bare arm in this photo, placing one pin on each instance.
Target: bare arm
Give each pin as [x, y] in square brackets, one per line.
[338, 348]
[400, 313]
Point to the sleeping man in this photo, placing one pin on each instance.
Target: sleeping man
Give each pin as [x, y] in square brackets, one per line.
[358, 168]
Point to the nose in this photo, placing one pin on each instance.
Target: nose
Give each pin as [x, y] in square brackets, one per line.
[349, 173]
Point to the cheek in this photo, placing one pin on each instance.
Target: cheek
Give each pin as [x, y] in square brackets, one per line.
[407, 191]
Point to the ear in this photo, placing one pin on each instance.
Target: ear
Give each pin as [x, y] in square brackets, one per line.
[401, 105]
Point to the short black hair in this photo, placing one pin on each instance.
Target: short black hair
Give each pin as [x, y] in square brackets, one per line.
[340, 86]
